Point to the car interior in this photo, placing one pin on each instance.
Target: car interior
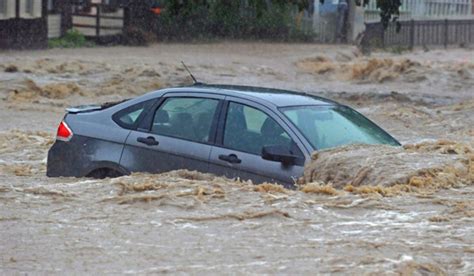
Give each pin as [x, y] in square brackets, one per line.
[237, 134]
[183, 125]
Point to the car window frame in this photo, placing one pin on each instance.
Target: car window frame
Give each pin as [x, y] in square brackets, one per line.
[146, 124]
[223, 118]
[117, 115]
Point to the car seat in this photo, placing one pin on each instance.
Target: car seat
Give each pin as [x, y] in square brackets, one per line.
[235, 132]
[161, 122]
[182, 125]
[271, 134]
[203, 126]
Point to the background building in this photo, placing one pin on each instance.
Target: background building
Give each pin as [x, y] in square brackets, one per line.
[23, 24]
[426, 9]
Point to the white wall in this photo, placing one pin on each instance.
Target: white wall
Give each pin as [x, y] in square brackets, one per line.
[425, 9]
[8, 9]
[36, 9]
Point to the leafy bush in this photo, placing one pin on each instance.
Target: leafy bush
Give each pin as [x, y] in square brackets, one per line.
[72, 39]
[228, 19]
[137, 37]
[398, 49]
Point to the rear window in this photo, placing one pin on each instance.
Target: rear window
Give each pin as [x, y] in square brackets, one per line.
[129, 117]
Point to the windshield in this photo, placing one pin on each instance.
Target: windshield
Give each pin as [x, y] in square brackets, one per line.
[333, 126]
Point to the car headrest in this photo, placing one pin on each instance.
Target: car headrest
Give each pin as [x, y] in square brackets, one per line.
[182, 119]
[162, 117]
[236, 122]
[204, 118]
[271, 128]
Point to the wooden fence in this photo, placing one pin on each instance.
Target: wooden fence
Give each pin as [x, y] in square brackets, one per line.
[420, 33]
[96, 24]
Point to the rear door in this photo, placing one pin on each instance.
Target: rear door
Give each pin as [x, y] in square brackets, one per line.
[177, 134]
[244, 128]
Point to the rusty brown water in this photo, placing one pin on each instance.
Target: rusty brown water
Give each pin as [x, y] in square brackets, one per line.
[185, 222]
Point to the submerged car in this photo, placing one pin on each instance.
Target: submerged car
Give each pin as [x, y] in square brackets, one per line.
[261, 134]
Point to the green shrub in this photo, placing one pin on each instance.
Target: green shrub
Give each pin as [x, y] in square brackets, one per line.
[228, 19]
[398, 49]
[137, 37]
[72, 39]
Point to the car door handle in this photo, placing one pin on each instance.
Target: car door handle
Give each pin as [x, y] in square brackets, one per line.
[150, 141]
[231, 158]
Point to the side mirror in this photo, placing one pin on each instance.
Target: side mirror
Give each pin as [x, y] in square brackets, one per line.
[279, 153]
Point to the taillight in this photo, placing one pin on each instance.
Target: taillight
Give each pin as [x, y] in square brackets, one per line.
[64, 132]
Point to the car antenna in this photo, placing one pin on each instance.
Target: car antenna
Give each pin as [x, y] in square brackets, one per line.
[191, 74]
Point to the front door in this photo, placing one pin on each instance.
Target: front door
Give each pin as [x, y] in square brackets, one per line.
[246, 130]
[179, 136]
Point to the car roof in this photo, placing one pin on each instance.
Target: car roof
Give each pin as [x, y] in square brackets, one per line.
[277, 97]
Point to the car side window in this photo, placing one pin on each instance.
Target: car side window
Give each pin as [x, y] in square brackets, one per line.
[128, 117]
[248, 129]
[186, 118]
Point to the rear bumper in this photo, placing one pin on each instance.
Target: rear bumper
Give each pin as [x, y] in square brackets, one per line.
[82, 155]
[64, 159]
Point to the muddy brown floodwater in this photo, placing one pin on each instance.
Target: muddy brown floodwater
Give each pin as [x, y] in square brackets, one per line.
[358, 210]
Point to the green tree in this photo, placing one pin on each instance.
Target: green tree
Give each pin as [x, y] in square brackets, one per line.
[389, 9]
